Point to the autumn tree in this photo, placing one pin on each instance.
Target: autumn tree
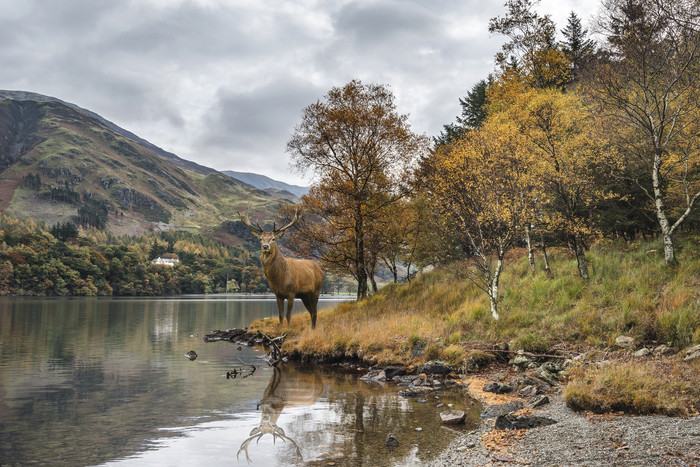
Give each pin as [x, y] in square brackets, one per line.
[484, 189]
[649, 88]
[397, 230]
[577, 46]
[571, 158]
[358, 148]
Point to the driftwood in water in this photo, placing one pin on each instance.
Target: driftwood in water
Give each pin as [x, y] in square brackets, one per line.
[243, 336]
[237, 336]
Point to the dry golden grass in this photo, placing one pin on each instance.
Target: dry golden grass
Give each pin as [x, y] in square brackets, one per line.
[669, 387]
[373, 334]
[630, 292]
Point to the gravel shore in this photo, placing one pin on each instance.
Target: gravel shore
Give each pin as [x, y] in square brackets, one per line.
[580, 440]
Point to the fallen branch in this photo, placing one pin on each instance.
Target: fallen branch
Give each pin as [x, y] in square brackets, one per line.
[527, 354]
[276, 349]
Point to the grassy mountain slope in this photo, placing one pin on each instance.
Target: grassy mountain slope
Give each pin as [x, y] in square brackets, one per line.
[83, 163]
[31, 96]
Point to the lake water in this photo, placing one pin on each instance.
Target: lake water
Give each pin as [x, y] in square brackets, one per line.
[105, 381]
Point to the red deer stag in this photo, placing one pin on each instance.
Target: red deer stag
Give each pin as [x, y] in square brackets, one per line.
[289, 278]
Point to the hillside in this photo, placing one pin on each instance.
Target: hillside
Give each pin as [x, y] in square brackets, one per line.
[630, 292]
[59, 162]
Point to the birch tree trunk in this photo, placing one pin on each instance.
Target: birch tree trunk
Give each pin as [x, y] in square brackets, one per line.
[493, 280]
[544, 255]
[666, 231]
[530, 251]
[581, 258]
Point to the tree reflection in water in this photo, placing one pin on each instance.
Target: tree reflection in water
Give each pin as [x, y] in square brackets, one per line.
[283, 390]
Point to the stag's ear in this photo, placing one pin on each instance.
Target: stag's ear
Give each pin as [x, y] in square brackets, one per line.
[279, 234]
[255, 234]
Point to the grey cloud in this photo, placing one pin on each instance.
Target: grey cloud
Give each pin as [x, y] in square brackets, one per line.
[258, 123]
[150, 66]
[374, 23]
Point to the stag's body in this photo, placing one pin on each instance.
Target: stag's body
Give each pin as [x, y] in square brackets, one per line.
[289, 278]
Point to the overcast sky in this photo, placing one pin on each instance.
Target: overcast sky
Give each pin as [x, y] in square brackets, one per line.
[224, 82]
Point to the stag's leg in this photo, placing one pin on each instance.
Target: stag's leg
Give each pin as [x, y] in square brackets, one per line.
[290, 305]
[280, 307]
[311, 304]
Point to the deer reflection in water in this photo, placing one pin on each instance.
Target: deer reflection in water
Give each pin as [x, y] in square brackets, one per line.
[287, 388]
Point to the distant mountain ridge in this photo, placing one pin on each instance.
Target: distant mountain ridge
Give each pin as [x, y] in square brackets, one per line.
[262, 182]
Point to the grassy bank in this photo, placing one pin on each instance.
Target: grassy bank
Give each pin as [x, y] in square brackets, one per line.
[630, 292]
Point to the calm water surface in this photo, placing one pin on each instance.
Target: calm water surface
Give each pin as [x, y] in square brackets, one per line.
[105, 381]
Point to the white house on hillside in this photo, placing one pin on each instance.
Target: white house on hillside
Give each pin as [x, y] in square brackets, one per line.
[166, 261]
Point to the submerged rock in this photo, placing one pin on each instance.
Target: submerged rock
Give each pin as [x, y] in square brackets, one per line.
[374, 376]
[415, 391]
[391, 442]
[452, 417]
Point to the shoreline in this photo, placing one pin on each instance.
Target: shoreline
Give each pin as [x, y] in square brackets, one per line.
[576, 439]
[572, 438]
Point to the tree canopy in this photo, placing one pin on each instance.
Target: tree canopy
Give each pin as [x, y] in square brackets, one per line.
[359, 149]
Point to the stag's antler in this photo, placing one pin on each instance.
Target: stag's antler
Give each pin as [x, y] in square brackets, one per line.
[258, 433]
[279, 232]
[256, 230]
[255, 433]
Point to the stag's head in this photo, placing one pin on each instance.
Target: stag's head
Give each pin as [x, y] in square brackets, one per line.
[268, 240]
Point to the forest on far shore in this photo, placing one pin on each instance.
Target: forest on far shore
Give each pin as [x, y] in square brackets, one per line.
[64, 260]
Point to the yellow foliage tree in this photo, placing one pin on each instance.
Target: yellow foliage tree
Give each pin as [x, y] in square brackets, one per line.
[650, 90]
[532, 50]
[484, 186]
[570, 155]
